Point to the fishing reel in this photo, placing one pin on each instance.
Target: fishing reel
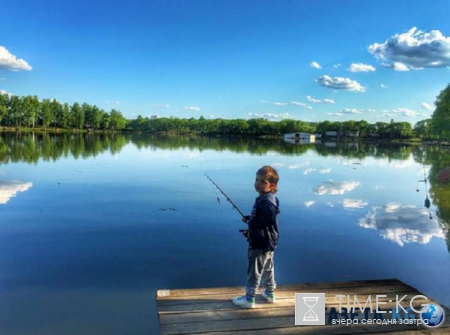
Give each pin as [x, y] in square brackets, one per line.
[244, 232]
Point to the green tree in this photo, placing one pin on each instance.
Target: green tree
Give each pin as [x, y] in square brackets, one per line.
[423, 128]
[118, 122]
[30, 110]
[77, 116]
[16, 111]
[46, 115]
[4, 103]
[441, 116]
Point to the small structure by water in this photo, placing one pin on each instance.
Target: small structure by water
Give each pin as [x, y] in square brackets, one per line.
[300, 138]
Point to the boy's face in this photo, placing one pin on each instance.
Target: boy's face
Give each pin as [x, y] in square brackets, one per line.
[262, 185]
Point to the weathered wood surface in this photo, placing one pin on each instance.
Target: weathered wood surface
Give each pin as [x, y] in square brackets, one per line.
[210, 311]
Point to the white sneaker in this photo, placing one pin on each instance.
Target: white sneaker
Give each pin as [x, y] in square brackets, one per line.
[243, 302]
[270, 297]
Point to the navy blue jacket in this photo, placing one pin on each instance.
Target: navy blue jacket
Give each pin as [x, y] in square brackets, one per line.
[263, 225]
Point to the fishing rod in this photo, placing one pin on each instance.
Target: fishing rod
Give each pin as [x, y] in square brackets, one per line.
[226, 196]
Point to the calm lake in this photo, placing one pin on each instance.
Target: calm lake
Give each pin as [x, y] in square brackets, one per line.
[92, 225]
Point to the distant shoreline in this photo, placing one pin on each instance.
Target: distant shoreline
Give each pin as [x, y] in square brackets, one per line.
[412, 141]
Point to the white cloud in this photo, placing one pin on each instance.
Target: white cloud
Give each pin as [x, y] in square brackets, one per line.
[351, 111]
[315, 65]
[162, 105]
[360, 67]
[9, 189]
[309, 203]
[311, 99]
[325, 171]
[399, 67]
[402, 224]
[340, 83]
[338, 65]
[276, 103]
[384, 86]
[353, 203]
[405, 112]
[10, 62]
[192, 108]
[280, 103]
[264, 101]
[335, 114]
[270, 116]
[427, 106]
[414, 49]
[335, 188]
[296, 103]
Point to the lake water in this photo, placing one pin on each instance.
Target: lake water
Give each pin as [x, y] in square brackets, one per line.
[91, 226]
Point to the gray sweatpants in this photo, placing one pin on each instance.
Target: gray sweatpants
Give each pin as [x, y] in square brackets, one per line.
[260, 269]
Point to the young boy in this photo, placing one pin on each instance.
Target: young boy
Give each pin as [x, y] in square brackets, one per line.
[262, 237]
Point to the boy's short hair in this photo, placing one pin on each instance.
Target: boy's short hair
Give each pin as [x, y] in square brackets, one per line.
[269, 174]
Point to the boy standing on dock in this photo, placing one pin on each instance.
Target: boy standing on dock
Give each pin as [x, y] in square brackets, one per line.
[262, 237]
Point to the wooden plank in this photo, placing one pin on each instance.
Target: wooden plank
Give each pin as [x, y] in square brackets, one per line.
[264, 321]
[285, 294]
[225, 303]
[265, 310]
[210, 310]
[339, 330]
[170, 294]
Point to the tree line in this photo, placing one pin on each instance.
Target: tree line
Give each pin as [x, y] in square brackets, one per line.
[30, 112]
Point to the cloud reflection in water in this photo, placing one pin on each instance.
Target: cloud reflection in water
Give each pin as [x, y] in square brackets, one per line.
[402, 224]
[10, 188]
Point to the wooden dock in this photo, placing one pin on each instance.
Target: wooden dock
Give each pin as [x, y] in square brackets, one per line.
[210, 310]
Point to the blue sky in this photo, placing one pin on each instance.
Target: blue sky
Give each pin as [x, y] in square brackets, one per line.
[308, 60]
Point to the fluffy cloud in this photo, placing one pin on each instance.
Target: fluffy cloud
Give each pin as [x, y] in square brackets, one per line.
[192, 108]
[413, 50]
[296, 103]
[405, 112]
[327, 101]
[334, 188]
[9, 189]
[402, 224]
[353, 203]
[360, 67]
[315, 65]
[335, 114]
[270, 116]
[426, 106]
[309, 203]
[351, 111]
[339, 83]
[384, 86]
[10, 62]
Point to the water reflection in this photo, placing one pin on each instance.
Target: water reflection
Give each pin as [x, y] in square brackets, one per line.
[402, 223]
[9, 189]
[335, 188]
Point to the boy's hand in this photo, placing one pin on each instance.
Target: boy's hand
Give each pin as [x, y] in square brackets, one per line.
[246, 218]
